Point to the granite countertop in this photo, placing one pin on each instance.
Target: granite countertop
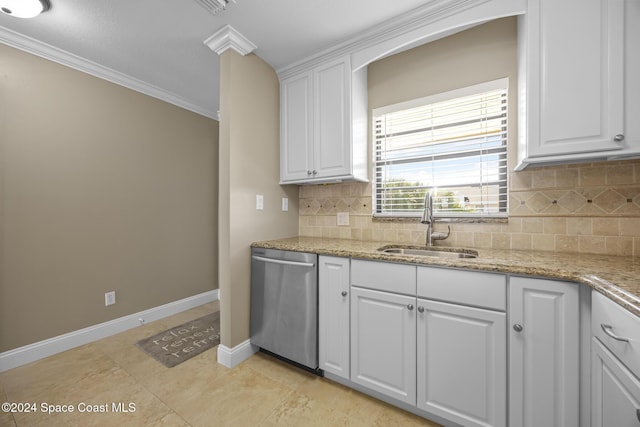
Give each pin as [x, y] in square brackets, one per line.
[618, 278]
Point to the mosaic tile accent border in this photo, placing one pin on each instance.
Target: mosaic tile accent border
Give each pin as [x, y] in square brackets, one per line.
[618, 201]
[585, 208]
[595, 189]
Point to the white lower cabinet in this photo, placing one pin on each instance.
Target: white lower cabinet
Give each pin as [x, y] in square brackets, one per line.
[333, 315]
[616, 391]
[544, 351]
[449, 343]
[383, 343]
[615, 365]
[462, 363]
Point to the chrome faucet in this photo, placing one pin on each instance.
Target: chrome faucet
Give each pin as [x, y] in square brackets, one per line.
[427, 218]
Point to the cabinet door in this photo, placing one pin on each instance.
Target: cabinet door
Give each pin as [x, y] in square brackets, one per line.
[332, 94]
[616, 392]
[296, 128]
[333, 312]
[575, 76]
[544, 349]
[462, 363]
[383, 343]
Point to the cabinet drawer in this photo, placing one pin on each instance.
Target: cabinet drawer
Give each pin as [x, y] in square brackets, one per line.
[384, 276]
[616, 391]
[623, 324]
[487, 290]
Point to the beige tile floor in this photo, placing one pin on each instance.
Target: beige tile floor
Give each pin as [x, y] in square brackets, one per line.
[261, 391]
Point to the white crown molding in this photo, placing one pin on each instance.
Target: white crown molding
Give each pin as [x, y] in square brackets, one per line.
[409, 21]
[229, 38]
[408, 30]
[39, 350]
[70, 60]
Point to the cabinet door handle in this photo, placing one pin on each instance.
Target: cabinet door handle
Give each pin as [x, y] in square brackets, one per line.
[517, 327]
[344, 293]
[315, 172]
[638, 414]
[410, 306]
[421, 309]
[618, 138]
[308, 172]
[608, 330]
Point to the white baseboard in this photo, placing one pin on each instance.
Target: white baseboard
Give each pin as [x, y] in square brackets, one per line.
[39, 350]
[231, 357]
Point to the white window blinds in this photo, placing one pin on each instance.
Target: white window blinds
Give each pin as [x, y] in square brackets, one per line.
[452, 144]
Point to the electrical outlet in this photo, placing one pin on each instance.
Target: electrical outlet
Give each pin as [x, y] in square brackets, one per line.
[343, 218]
[285, 204]
[110, 298]
[259, 202]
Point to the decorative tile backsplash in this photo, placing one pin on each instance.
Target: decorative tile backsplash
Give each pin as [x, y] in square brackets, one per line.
[585, 208]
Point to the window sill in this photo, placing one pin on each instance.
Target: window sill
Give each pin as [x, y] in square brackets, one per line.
[415, 220]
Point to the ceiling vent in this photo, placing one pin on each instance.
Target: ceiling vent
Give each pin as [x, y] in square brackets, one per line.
[214, 6]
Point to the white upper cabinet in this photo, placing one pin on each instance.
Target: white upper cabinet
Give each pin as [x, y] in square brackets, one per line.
[323, 122]
[323, 98]
[579, 71]
[296, 127]
[332, 151]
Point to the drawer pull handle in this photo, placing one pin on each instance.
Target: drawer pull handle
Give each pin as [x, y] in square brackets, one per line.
[607, 330]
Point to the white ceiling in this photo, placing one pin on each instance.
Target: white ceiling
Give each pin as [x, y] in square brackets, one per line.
[157, 46]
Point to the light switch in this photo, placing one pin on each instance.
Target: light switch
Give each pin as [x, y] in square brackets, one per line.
[259, 202]
[285, 204]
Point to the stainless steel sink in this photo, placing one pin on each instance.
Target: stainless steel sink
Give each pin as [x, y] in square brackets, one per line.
[430, 252]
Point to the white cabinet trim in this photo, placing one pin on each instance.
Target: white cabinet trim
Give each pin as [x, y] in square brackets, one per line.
[434, 20]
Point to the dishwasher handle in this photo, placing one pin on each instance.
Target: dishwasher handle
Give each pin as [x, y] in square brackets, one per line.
[283, 262]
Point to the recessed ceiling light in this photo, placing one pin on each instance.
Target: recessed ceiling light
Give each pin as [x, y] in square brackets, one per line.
[24, 8]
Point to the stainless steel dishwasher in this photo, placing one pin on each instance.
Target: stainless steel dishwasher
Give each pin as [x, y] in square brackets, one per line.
[284, 304]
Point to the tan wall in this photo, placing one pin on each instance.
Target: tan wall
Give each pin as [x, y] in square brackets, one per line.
[589, 208]
[249, 165]
[101, 188]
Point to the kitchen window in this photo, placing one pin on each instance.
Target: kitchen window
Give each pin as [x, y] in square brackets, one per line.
[453, 144]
